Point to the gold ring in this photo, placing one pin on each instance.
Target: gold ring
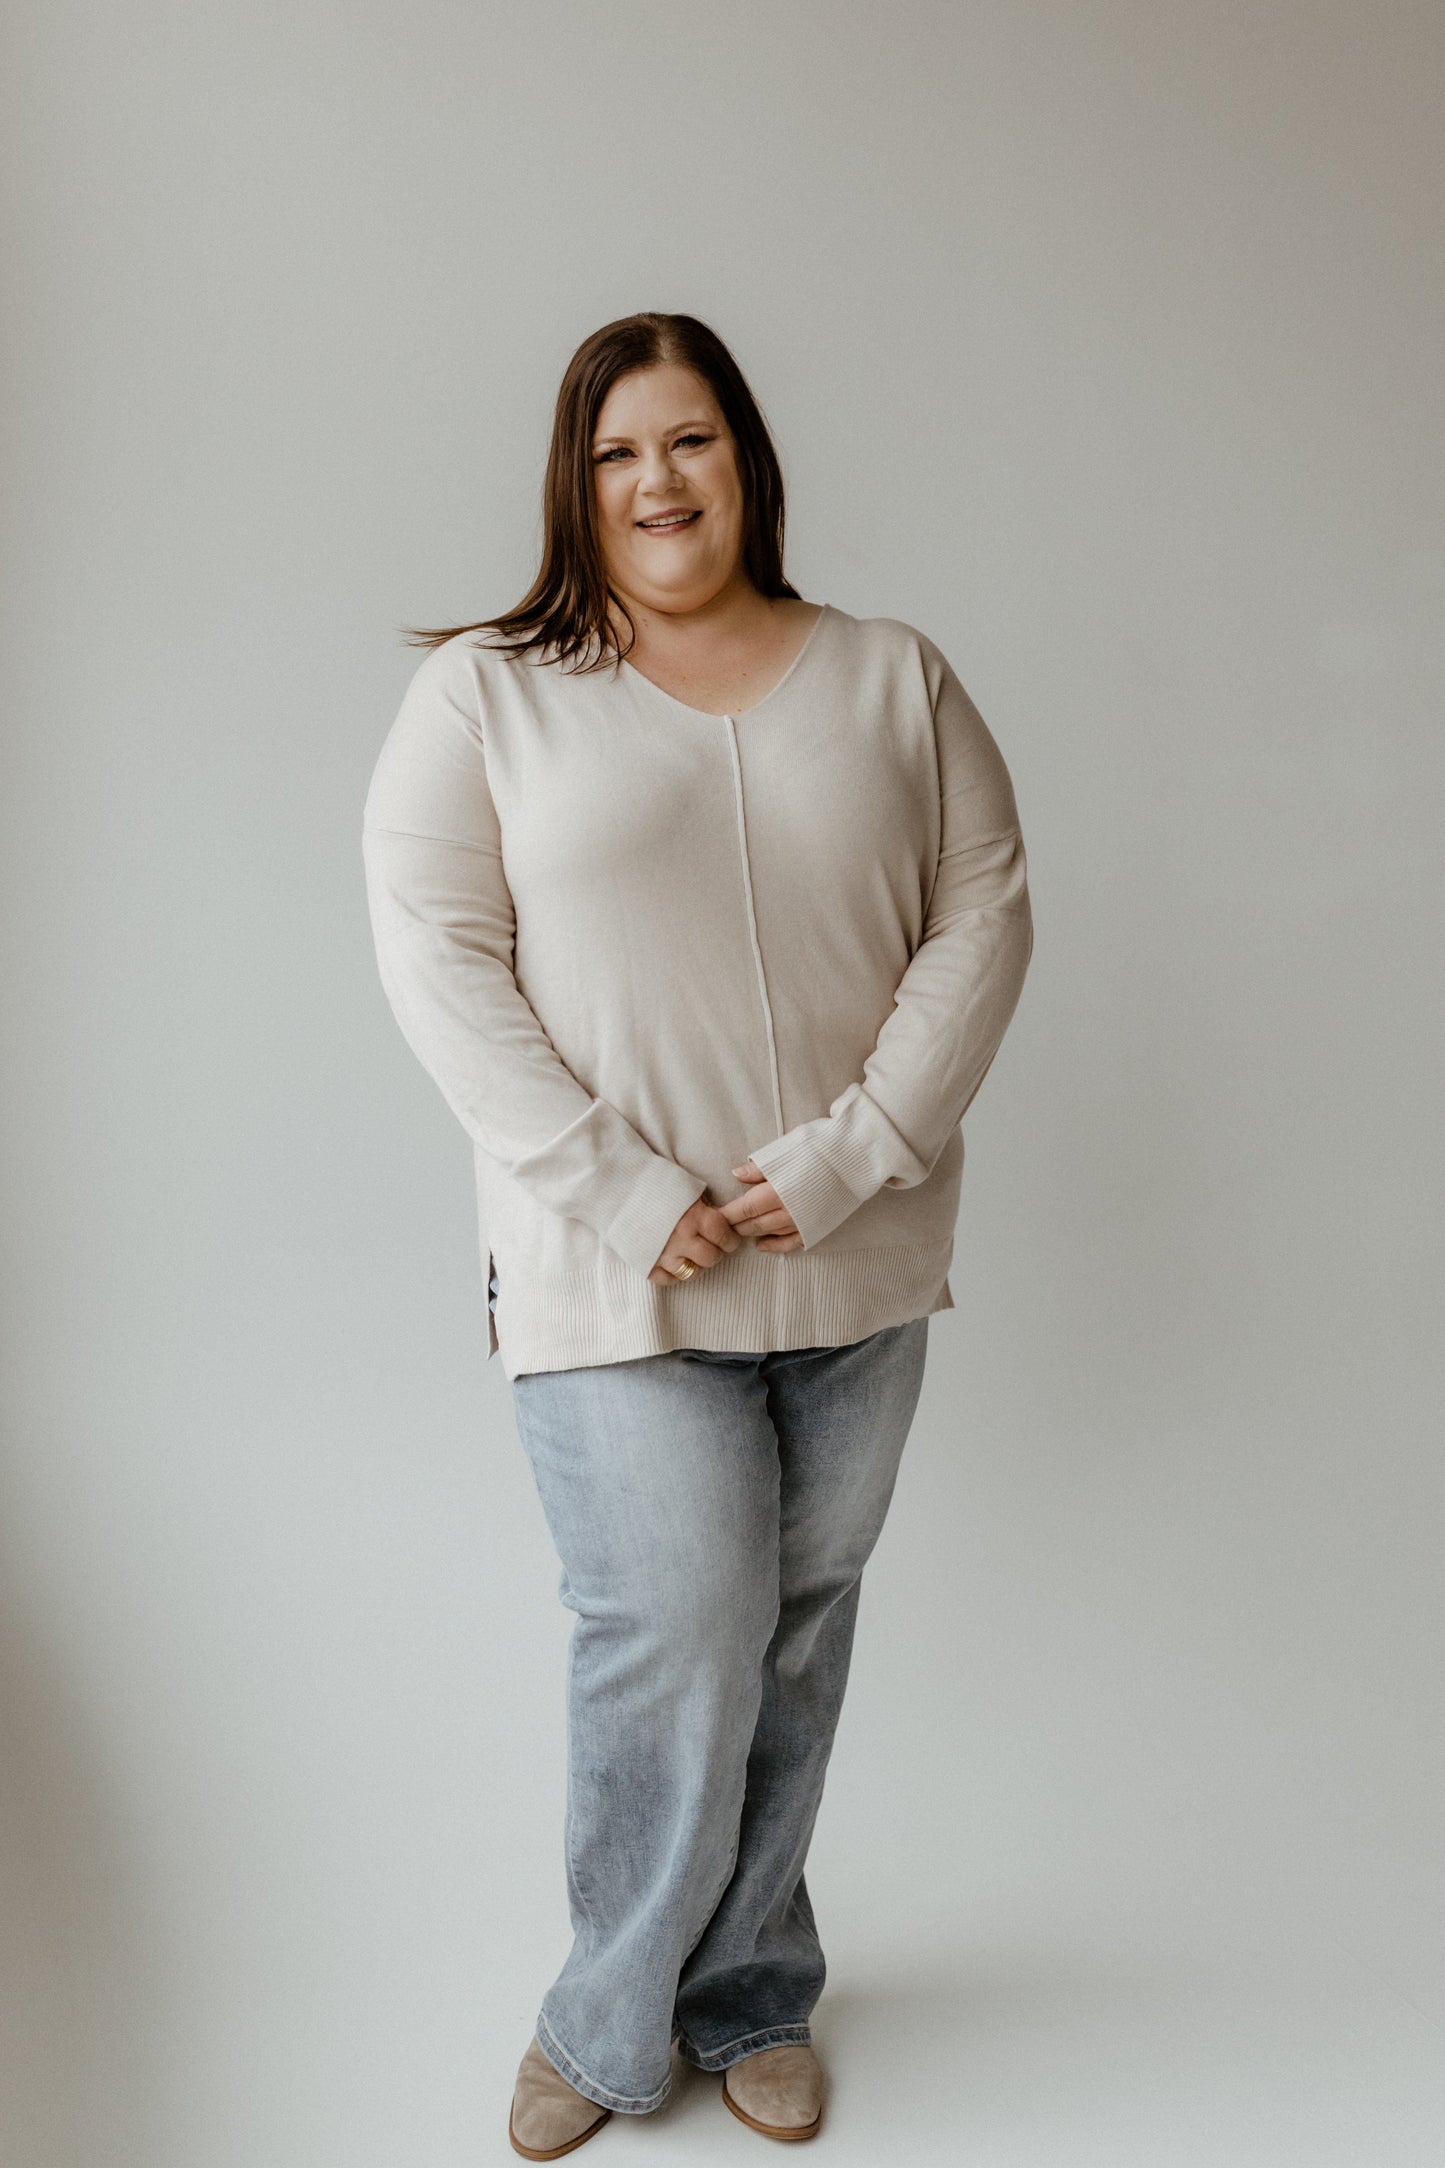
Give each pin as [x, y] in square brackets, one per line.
[688, 1269]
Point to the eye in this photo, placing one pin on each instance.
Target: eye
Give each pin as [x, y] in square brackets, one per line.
[616, 451]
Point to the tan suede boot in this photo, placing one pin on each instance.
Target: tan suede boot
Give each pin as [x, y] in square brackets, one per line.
[550, 2117]
[778, 2091]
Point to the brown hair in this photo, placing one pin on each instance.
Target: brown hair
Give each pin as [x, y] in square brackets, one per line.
[567, 603]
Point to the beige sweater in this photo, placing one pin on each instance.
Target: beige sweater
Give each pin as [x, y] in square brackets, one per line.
[636, 944]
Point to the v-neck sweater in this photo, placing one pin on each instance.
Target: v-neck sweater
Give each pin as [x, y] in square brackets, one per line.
[636, 944]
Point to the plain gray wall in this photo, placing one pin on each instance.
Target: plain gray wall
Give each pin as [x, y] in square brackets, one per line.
[1102, 342]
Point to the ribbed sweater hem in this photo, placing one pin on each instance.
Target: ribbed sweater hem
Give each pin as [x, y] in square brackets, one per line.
[751, 1302]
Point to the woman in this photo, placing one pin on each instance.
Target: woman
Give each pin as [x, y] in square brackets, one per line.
[706, 908]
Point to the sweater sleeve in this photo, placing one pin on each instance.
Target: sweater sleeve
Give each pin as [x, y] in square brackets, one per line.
[953, 1003]
[444, 925]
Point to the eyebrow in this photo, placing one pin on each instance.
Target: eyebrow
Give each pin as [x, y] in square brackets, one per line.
[699, 423]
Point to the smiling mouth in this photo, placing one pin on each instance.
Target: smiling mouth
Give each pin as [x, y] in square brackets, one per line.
[666, 522]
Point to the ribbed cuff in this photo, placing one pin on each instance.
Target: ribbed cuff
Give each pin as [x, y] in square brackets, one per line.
[812, 1189]
[826, 1168]
[651, 1209]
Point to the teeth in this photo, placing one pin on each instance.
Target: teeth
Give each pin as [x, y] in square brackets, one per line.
[671, 519]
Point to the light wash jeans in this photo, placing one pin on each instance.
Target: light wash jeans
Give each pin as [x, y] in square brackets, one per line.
[713, 1514]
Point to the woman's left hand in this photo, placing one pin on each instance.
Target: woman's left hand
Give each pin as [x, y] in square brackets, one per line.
[760, 1212]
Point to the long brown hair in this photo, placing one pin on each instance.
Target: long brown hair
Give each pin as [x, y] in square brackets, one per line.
[567, 603]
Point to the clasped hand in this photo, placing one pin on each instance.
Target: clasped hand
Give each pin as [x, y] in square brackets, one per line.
[707, 1232]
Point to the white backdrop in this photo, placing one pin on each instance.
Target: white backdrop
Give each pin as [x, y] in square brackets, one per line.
[1102, 343]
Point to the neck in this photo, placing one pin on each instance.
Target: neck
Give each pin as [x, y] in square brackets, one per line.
[732, 619]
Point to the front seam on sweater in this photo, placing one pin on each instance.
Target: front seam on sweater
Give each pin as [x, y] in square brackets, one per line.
[753, 923]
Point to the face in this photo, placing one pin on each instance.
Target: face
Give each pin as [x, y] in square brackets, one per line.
[661, 448]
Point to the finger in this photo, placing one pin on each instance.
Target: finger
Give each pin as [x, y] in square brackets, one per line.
[750, 1171]
[694, 1249]
[779, 1221]
[780, 1242]
[742, 1211]
[719, 1229]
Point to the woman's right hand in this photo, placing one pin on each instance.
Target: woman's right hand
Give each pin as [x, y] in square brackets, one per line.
[702, 1234]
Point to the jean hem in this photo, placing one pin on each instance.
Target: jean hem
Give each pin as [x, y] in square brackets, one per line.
[577, 2078]
[723, 2058]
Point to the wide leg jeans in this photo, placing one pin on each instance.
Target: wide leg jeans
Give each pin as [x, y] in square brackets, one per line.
[713, 1514]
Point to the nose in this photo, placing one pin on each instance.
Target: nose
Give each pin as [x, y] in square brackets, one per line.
[658, 476]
